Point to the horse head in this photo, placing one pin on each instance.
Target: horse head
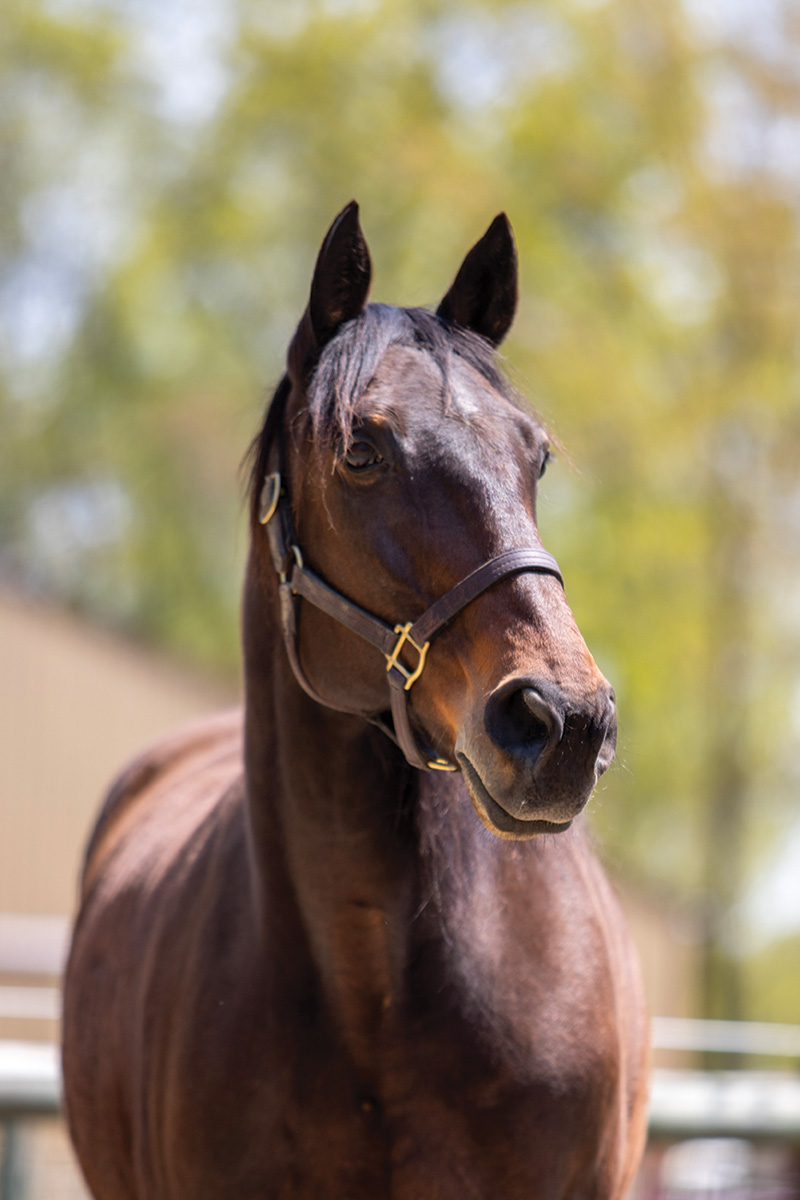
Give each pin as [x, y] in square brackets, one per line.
[394, 463]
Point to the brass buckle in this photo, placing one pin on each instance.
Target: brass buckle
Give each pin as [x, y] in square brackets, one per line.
[393, 659]
[268, 500]
[440, 764]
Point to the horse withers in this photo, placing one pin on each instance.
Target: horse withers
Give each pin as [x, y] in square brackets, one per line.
[353, 944]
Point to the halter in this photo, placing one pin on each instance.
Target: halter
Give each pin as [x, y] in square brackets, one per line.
[411, 639]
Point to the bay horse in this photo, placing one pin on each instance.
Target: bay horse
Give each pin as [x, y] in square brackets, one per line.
[353, 944]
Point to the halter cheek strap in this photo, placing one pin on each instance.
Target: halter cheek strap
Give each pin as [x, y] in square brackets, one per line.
[399, 643]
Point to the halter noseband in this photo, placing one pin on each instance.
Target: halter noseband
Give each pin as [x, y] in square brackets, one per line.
[295, 579]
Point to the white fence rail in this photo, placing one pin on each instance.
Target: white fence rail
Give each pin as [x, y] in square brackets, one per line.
[30, 1003]
[30, 1079]
[727, 1037]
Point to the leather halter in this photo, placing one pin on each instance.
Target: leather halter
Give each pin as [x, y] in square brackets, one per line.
[414, 637]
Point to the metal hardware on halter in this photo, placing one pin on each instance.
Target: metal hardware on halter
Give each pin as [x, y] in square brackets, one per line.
[393, 659]
[268, 500]
[440, 764]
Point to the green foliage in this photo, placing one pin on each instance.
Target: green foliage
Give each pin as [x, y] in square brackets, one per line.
[772, 981]
[156, 253]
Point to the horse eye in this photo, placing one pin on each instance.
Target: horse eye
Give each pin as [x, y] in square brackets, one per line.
[361, 455]
[545, 460]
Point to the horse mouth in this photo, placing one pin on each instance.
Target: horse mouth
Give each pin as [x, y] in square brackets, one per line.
[496, 819]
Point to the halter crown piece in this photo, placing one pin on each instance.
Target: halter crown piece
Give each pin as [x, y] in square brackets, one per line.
[397, 643]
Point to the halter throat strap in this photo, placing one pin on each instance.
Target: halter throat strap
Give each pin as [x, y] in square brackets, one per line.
[404, 646]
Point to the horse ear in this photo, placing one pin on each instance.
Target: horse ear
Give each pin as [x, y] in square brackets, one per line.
[339, 290]
[483, 295]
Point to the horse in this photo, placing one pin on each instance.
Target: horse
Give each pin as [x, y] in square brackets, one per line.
[353, 943]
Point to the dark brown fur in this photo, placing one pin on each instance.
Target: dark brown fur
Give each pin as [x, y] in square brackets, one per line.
[302, 969]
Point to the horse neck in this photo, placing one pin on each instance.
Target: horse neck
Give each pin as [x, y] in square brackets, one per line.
[333, 843]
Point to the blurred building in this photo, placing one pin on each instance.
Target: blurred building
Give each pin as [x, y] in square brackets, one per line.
[75, 704]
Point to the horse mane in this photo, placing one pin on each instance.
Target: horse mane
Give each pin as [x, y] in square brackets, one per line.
[348, 364]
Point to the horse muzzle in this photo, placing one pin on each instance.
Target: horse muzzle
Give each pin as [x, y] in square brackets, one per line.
[533, 757]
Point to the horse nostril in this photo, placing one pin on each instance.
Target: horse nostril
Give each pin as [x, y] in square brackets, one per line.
[543, 713]
[611, 708]
[523, 721]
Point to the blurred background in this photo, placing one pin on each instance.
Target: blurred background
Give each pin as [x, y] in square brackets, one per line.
[167, 171]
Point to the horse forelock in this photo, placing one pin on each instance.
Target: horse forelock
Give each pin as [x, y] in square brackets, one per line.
[349, 363]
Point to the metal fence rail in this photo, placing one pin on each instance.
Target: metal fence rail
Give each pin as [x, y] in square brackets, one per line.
[726, 1037]
[30, 1079]
[30, 1003]
[30, 1086]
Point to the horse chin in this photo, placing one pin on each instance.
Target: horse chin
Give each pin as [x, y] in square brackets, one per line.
[497, 819]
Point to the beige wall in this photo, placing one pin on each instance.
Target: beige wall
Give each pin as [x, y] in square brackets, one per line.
[75, 704]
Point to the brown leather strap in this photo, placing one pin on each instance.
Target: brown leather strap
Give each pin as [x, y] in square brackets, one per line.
[297, 580]
[309, 585]
[481, 579]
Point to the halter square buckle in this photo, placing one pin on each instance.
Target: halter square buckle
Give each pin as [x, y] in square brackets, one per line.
[393, 659]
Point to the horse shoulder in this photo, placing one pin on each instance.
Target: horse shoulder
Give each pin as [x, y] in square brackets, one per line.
[174, 767]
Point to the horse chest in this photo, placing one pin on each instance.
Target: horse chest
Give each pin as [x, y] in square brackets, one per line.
[323, 1140]
[437, 1120]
